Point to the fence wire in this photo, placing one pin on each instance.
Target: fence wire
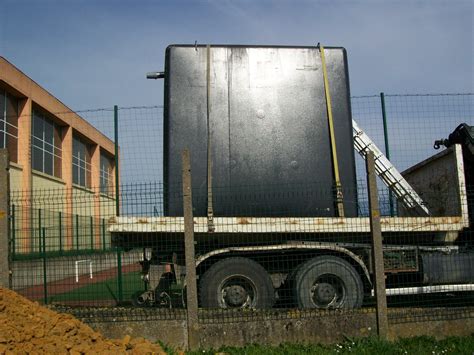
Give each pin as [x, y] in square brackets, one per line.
[271, 251]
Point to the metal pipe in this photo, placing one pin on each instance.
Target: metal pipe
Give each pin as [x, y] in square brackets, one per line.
[119, 276]
[45, 277]
[60, 232]
[155, 75]
[117, 201]
[387, 150]
[77, 232]
[417, 290]
[39, 229]
[92, 232]
[103, 234]
[13, 231]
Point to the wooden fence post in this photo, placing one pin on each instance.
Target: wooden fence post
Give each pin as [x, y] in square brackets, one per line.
[191, 287]
[377, 251]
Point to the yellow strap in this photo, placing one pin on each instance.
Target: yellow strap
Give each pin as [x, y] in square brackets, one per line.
[332, 136]
[210, 208]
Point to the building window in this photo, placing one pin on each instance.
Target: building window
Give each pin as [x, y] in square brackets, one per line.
[106, 175]
[46, 145]
[9, 124]
[81, 163]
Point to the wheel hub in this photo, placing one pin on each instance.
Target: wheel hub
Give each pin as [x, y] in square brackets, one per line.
[324, 293]
[235, 295]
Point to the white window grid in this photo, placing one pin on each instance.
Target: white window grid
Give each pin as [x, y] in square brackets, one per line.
[106, 177]
[79, 160]
[56, 151]
[5, 123]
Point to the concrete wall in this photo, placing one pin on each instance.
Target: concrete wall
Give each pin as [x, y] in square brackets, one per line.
[319, 328]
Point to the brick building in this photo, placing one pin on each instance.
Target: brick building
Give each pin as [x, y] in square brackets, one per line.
[60, 165]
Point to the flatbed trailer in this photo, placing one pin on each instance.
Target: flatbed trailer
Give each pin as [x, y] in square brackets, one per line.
[285, 225]
[424, 248]
[251, 115]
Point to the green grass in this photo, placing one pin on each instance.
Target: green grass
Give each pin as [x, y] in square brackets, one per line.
[418, 345]
[106, 290]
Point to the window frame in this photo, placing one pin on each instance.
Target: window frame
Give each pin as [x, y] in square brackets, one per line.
[82, 164]
[106, 180]
[49, 148]
[7, 127]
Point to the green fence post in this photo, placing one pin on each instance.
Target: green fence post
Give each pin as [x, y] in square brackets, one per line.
[13, 231]
[45, 277]
[116, 157]
[119, 276]
[39, 229]
[103, 234]
[387, 149]
[5, 235]
[77, 232]
[92, 232]
[60, 232]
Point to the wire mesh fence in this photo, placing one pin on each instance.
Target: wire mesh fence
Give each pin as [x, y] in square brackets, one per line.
[267, 251]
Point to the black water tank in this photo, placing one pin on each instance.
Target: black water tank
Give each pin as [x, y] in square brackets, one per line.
[271, 153]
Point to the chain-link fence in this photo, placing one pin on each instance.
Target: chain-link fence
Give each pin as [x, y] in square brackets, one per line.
[266, 251]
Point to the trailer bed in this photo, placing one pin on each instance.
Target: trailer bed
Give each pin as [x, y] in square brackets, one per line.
[448, 204]
[286, 225]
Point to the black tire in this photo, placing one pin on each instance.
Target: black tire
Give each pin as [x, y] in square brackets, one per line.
[139, 301]
[236, 283]
[327, 282]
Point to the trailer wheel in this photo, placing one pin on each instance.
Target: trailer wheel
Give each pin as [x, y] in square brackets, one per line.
[236, 283]
[142, 299]
[327, 282]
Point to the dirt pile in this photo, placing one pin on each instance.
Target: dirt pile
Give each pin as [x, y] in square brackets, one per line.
[27, 327]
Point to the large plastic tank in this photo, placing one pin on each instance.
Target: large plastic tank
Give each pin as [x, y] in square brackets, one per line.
[269, 136]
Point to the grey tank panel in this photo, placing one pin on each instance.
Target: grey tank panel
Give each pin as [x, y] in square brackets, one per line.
[270, 144]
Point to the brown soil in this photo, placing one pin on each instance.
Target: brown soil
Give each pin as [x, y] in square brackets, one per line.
[28, 328]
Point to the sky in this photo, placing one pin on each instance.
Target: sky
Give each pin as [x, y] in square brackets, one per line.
[94, 54]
